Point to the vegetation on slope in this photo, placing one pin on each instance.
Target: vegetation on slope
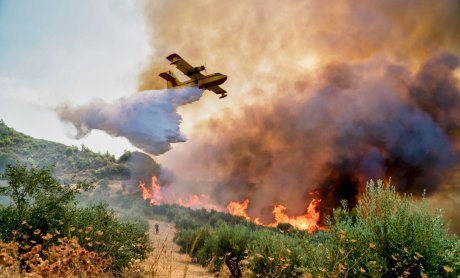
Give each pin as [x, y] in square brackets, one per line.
[43, 231]
[67, 161]
[70, 163]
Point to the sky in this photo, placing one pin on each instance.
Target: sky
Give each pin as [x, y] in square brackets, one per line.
[68, 51]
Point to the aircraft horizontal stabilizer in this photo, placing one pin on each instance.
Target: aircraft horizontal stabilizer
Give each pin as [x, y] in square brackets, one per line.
[167, 76]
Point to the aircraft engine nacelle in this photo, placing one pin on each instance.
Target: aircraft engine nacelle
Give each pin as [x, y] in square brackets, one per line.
[200, 68]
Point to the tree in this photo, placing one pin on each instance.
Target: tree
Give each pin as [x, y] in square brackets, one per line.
[26, 185]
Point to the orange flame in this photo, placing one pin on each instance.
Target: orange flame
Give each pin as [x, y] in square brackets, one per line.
[156, 191]
[239, 209]
[145, 191]
[158, 197]
[153, 194]
[307, 222]
[196, 201]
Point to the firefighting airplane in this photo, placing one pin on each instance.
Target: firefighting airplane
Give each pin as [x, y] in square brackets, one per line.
[205, 82]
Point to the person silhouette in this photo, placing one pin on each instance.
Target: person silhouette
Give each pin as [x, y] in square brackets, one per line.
[157, 228]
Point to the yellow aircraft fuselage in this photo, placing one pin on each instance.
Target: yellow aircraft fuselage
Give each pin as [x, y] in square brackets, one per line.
[205, 82]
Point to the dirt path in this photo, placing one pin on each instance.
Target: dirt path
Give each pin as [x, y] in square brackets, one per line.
[165, 260]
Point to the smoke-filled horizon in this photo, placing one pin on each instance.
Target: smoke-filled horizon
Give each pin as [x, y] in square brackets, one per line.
[322, 96]
[149, 120]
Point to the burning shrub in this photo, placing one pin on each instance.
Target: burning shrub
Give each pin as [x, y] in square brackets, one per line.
[186, 218]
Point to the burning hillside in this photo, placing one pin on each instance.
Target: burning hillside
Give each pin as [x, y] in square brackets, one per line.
[161, 195]
[362, 121]
[324, 96]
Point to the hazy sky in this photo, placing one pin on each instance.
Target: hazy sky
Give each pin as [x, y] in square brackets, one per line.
[54, 51]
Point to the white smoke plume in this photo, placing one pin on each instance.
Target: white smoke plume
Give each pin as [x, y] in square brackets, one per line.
[149, 119]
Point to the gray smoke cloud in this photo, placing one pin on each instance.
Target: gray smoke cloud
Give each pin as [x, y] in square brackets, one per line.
[149, 119]
[358, 121]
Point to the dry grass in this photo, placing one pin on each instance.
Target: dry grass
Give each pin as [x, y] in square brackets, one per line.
[165, 260]
[67, 259]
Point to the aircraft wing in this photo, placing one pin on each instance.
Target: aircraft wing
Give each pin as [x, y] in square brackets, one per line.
[218, 90]
[183, 66]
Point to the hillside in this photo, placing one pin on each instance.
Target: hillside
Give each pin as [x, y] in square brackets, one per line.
[70, 162]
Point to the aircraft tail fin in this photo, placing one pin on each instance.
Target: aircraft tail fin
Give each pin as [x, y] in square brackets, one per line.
[171, 79]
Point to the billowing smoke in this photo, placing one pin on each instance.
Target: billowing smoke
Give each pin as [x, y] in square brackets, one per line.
[397, 126]
[149, 120]
[323, 95]
[363, 121]
[258, 42]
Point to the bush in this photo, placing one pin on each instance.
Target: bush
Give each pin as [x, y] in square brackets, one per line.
[184, 221]
[345, 250]
[39, 203]
[275, 255]
[226, 245]
[43, 214]
[99, 230]
[112, 171]
[390, 236]
[192, 240]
